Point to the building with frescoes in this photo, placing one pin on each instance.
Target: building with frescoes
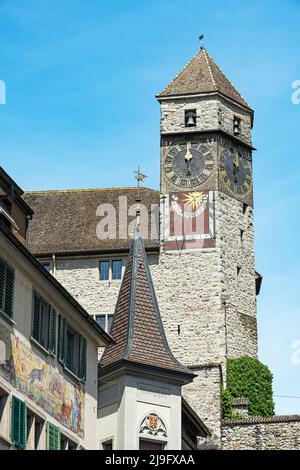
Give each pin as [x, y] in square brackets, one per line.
[48, 345]
[181, 292]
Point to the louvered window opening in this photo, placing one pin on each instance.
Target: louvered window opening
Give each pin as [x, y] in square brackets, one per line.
[7, 284]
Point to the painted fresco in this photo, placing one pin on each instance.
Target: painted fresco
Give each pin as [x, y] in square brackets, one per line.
[41, 382]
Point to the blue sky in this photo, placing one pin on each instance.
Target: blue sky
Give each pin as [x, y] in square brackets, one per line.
[81, 77]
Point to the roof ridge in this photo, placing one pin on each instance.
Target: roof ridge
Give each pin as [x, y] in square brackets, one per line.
[209, 68]
[225, 76]
[125, 188]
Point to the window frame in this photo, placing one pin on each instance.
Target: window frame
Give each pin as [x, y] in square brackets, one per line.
[109, 441]
[110, 262]
[78, 369]
[44, 324]
[107, 317]
[190, 113]
[18, 429]
[47, 262]
[50, 427]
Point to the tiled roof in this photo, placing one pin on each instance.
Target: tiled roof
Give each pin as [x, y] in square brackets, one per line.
[202, 75]
[65, 222]
[137, 327]
[261, 420]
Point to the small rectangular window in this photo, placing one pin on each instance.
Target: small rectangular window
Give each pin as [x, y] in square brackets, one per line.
[47, 265]
[116, 269]
[109, 322]
[190, 118]
[105, 321]
[7, 283]
[104, 270]
[101, 320]
[236, 125]
[107, 445]
[38, 431]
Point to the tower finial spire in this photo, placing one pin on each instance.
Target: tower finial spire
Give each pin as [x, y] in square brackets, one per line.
[139, 177]
[201, 39]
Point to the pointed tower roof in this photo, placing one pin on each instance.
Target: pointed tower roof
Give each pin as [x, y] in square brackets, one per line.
[137, 326]
[202, 75]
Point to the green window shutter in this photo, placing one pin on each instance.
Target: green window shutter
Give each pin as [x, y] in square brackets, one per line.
[9, 291]
[82, 358]
[52, 330]
[36, 317]
[18, 423]
[53, 437]
[2, 284]
[62, 339]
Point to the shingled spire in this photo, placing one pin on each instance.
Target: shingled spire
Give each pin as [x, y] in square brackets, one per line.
[137, 326]
[202, 75]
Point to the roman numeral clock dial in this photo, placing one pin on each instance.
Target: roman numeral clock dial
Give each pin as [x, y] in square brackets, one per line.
[236, 172]
[188, 165]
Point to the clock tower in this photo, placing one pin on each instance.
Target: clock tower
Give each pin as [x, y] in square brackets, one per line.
[207, 283]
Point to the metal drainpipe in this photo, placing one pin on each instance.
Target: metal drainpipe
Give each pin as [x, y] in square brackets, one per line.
[54, 265]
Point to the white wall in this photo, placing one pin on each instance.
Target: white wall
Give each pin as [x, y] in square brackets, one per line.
[135, 398]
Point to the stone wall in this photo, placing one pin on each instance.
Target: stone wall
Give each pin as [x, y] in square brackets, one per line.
[280, 432]
[204, 396]
[212, 113]
[238, 289]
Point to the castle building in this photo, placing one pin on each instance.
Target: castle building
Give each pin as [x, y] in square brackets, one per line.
[198, 245]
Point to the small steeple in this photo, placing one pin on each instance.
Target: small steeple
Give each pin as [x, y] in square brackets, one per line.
[137, 326]
[202, 75]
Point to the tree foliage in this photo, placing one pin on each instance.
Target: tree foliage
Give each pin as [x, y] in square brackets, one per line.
[248, 377]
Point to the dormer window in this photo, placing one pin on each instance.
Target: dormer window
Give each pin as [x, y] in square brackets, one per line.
[236, 125]
[190, 118]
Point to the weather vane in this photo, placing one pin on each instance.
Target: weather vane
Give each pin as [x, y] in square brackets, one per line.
[201, 39]
[139, 177]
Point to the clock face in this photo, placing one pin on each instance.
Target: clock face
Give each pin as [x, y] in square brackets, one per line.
[236, 172]
[188, 165]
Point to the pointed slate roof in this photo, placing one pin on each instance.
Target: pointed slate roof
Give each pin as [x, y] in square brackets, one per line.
[137, 327]
[202, 75]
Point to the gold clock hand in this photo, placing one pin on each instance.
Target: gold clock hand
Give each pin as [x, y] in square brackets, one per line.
[188, 155]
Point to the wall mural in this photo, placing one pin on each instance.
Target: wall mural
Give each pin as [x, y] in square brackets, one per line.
[41, 382]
